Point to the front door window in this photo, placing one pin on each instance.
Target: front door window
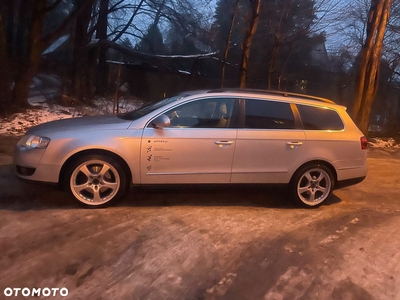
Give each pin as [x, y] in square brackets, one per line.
[207, 113]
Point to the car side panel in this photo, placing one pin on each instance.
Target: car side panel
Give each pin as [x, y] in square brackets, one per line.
[187, 155]
[124, 143]
[265, 156]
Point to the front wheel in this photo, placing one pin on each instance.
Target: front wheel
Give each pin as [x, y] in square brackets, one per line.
[312, 185]
[96, 180]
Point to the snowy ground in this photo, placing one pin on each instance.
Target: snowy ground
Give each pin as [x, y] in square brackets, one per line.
[42, 112]
[386, 143]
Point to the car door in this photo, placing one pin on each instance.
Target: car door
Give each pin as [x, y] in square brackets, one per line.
[197, 147]
[267, 143]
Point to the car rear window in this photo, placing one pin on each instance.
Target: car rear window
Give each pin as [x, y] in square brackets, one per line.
[261, 114]
[319, 118]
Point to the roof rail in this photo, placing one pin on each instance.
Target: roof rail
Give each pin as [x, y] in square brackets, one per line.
[271, 92]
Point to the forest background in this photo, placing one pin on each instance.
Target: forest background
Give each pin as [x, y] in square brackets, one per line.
[347, 51]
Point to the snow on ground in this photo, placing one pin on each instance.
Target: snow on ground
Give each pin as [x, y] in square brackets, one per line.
[385, 143]
[42, 112]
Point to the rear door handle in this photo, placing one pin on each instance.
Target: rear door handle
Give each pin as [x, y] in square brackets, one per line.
[293, 145]
[223, 144]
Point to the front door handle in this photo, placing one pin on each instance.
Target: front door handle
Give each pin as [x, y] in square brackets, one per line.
[223, 144]
[293, 145]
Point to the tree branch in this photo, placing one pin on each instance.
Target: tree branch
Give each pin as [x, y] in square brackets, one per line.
[118, 36]
[51, 37]
[135, 53]
[52, 6]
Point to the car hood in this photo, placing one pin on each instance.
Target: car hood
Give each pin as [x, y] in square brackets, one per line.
[108, 122]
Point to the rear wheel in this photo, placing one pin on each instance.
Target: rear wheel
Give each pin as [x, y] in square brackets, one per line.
[312, 185]
[96, 180]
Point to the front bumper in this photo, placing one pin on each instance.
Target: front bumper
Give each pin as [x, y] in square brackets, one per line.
[28, 165]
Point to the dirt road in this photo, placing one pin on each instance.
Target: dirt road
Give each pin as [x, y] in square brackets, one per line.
[204, 243]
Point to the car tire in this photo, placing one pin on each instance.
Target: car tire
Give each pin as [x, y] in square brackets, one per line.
[96, 180]
[311, 185]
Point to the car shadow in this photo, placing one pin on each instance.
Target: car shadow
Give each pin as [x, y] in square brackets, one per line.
[21, 195]
[215, 195]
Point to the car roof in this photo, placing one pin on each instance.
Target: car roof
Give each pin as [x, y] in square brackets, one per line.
[258, 92]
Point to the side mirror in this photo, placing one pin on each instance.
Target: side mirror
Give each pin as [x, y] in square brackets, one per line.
[161, 122]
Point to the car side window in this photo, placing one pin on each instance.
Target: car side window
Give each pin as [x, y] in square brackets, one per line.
[203, 113]
[262, 114]
[319, 118]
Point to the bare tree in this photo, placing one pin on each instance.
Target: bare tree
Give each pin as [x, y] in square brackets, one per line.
[255, 15]
[278, 40]
[228, 41]
[102, 26]
[80, 85]
[25, 48]
[5, 82]
[288, 30]
[369, 60]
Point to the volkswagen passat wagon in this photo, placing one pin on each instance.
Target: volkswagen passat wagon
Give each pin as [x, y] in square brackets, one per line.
[204, 137]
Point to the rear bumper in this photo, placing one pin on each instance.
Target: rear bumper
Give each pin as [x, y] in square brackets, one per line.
[352, 171]
[349, 182]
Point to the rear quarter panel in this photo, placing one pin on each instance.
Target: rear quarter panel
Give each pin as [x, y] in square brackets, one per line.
[341, 149]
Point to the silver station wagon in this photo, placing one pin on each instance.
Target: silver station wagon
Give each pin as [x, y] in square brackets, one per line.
[225, 136]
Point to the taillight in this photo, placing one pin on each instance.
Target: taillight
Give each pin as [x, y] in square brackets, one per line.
[364, 143]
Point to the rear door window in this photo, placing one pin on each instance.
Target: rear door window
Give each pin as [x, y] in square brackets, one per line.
[264, 114]
[319, 118]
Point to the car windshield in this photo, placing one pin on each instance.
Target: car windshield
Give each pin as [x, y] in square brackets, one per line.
[144, 110]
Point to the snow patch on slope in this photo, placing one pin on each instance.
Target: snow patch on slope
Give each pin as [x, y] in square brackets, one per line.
[42, 112]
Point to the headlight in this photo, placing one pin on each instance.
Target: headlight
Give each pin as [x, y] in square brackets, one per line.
[37, 142]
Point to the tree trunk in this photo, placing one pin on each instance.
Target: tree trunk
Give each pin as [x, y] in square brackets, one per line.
[228, 41]
[30, 64]
[24, 22]
[10, 25]
[35, 44]
[277, 44]
[5, 82]
[79, 59]
[102, 24]
[369, 59]
[274, 56]
[255, 15]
